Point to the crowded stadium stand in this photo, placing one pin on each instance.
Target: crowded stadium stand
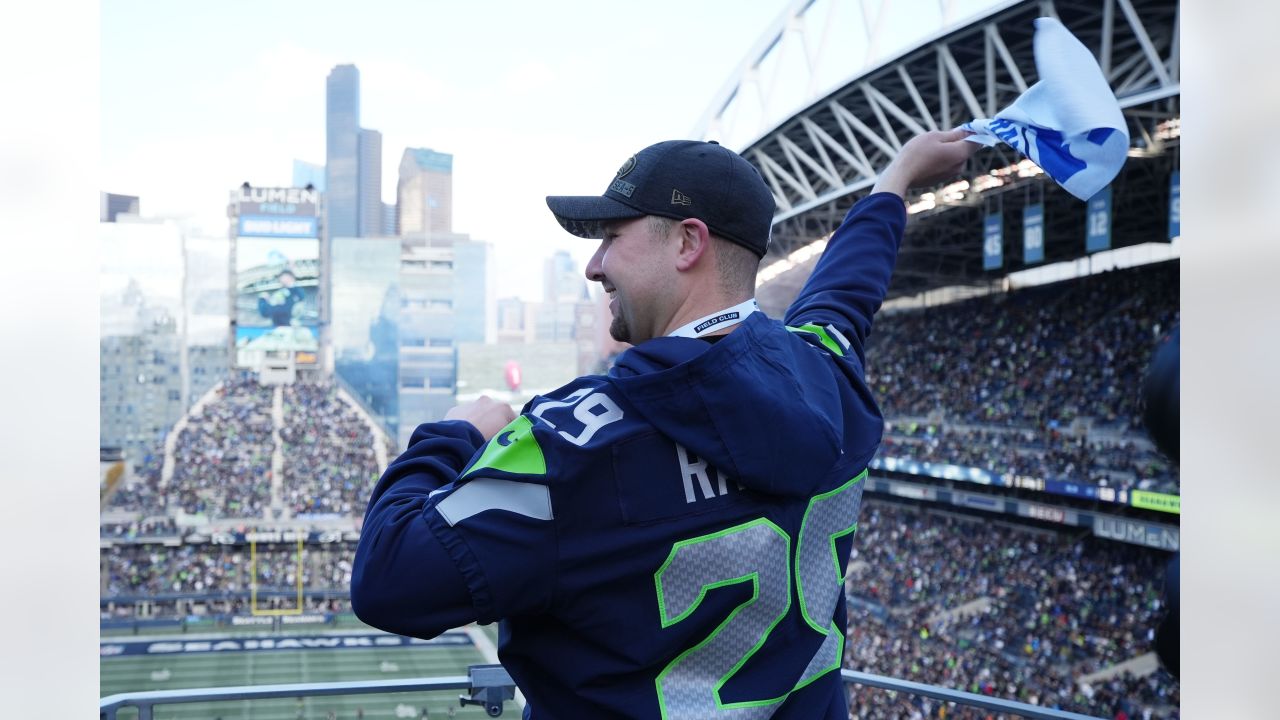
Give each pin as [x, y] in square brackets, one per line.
[330, 461]
[248, 451]
[1040, 382]
[1004, 609]
[1017, 518]
[222, 458]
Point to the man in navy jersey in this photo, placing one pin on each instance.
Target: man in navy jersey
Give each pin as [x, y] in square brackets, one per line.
[667, 540]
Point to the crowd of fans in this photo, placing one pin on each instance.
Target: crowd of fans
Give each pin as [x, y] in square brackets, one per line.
[222, 458]
[223, 461]
[329, 461]
[139, 490]
[199, 570]
[1043, 610]
[1038, 360]
[1121, 462]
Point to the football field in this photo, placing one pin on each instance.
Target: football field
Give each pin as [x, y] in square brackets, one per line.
[262, 666]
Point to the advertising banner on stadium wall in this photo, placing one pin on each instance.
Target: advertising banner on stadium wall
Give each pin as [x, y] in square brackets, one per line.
[993, 241]
[306, 619]
[247, 620]
[325, 537]
[1137, 532]
[268, 226]
[1175, 204]
[297, 642]
[1033, 234]
[1097, 222]
[1156, 501]
[1037, 511]
[1087, 491]
[913, 491]
[276, 202]
[979, 502]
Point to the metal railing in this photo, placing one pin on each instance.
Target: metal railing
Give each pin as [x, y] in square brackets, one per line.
[490, 685]
[985, 702]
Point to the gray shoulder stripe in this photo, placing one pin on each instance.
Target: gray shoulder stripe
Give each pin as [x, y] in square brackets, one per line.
[484, 494]
[839, 336]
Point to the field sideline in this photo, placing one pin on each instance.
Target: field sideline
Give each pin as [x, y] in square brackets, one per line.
[131, 673]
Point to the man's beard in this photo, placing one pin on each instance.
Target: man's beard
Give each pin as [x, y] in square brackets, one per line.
[618, 329]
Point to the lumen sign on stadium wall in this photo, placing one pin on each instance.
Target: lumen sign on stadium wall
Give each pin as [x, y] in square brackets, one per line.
[1136, 532]
[276, 212]
[298, 202]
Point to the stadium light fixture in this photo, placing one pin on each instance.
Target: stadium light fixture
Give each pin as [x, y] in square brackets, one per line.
[927, 201]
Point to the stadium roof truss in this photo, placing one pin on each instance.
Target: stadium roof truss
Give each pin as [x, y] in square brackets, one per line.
[820, 160]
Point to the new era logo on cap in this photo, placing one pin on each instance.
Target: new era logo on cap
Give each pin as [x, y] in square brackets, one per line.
[733, 199]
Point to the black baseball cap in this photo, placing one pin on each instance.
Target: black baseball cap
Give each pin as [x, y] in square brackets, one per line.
[679, 179]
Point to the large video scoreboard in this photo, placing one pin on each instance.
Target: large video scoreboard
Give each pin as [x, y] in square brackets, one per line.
[276, 241]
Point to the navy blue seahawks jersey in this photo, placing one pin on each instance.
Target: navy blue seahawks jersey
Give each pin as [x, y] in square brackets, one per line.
[665, 541]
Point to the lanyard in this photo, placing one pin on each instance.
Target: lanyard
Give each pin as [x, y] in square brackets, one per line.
[718, 320]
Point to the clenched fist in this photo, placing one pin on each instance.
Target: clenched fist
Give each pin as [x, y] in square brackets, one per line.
[927, 159]
[488, 415]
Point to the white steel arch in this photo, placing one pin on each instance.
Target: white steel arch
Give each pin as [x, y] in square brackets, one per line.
[817, 160]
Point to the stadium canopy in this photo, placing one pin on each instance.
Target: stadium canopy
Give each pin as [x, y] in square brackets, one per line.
[826, 156]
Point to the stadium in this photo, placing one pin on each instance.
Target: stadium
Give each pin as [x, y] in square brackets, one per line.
[1017, 519]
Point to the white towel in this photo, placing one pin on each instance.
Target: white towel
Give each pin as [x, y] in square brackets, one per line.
[1069, 122]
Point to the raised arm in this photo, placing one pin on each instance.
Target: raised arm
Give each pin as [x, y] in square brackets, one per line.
[851, 279]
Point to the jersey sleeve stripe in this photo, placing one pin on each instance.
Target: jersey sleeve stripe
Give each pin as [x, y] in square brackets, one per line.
[482, 494]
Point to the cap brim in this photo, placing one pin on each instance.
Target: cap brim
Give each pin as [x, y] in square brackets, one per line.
[585, 215]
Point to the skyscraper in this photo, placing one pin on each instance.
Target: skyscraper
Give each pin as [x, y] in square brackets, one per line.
[110, 205]
[353, 161]
[389, 220]
[562, 282]
[369, 173]
[305, 173]
[443, 302]
[424, 195]
[342, 151]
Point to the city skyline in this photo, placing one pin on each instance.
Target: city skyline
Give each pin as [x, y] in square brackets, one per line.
[530, 99]
[548, 100]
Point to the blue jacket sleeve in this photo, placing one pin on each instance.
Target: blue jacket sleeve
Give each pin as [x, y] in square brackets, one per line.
[403, 580]
[851, 279]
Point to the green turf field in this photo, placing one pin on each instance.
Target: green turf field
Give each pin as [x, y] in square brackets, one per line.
[170, 672]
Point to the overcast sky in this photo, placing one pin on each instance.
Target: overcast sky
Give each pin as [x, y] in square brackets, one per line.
[531, 98]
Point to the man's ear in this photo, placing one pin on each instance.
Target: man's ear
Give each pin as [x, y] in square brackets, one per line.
[694, 239]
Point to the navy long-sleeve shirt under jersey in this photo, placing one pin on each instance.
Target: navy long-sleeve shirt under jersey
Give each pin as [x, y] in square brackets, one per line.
[665, 541]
